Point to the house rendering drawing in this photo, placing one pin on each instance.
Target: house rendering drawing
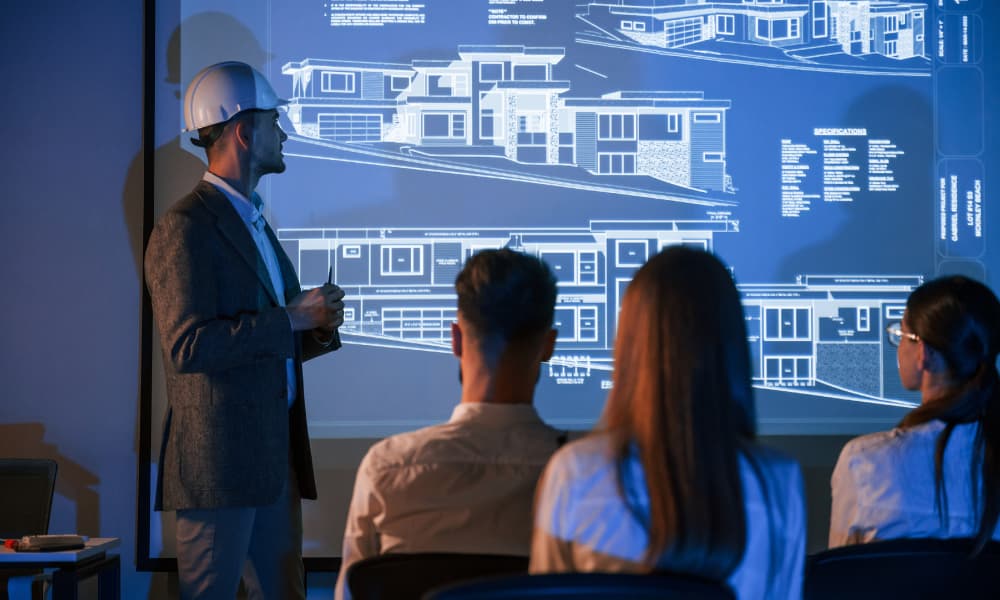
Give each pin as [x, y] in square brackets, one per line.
[863, 34]
[495, 105]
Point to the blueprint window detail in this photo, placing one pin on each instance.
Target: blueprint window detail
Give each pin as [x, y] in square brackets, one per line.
[348, 314]
[787, 369]
[819, 19]
[333, 81]
[531, 129]
[616, 127]
[726, 24]
[630, 253]
[864, 318]
[711, 157]
[894, 313]
[447, 85]
[444, 125]
[399, 84]
[778, 29]
[786, 324]
[706, 117]
[891, 24]
[491, 71]
[531, 73]
[402, 260]
[351, 251]
[633, 26]
[616, 163]
[486, 123]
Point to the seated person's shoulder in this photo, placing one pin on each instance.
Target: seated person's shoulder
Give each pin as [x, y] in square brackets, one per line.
[589, 456]
[889, 445]
[395, 451]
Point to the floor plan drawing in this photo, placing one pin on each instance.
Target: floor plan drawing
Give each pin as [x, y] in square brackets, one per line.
[874, 37]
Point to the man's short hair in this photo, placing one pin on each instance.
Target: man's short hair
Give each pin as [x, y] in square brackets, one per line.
[506, 294]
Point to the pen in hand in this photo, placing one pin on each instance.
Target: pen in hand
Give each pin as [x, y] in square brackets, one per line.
[329, 276]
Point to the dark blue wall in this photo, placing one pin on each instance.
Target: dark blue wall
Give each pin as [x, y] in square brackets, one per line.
[69, 230]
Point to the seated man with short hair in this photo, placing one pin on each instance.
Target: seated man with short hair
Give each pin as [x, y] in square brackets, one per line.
[468, 485]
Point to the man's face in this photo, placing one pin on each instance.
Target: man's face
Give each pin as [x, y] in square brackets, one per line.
[265, 151]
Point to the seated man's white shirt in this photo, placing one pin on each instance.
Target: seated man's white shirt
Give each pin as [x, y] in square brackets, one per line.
[583, 524]
[883, 486]
[463, 486]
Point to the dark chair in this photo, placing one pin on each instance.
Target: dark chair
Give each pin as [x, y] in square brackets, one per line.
[406, 576]
[904, 568]
[586, 586]
[26, 501]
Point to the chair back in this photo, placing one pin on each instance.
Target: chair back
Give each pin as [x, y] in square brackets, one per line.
[26, 487]
[586, 586]
[409, 576]
[904, 568]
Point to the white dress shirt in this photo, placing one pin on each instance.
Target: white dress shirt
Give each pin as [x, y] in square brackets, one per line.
[249, 212]
[463, 486]
[883, 486]
[583, 524]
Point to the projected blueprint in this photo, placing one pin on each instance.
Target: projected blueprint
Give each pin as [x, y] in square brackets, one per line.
[498, 111]
[830, 151]
[875, 37]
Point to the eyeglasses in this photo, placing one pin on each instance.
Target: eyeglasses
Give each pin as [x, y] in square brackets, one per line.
[896, 334]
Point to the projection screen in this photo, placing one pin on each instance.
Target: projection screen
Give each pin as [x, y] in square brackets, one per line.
[832, 152]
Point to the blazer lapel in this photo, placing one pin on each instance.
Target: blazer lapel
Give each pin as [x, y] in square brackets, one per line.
[233, 229]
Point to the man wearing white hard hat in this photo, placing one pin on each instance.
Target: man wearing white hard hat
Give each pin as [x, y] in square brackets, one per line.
[234, 329]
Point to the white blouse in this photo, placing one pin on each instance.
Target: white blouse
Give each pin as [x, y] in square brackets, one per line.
[583, 524]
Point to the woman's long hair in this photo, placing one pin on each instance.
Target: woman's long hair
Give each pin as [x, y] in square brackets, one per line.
[682, 402]
[960, 319]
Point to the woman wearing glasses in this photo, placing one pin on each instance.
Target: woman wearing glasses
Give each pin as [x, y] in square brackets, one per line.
[674, 480]
[938, 473]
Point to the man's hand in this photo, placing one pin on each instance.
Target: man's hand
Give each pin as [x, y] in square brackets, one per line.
[321, 307]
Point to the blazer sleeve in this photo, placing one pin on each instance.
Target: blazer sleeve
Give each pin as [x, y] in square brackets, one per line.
[205, 325]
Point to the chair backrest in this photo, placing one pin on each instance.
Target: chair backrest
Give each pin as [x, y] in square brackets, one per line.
[586, 586]
[904, 568]
[26, 487]
[405, 576]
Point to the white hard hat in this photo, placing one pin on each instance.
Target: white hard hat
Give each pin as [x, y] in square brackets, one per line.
[220, 91]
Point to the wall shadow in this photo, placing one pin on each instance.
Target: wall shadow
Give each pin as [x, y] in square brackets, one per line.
[27, 440]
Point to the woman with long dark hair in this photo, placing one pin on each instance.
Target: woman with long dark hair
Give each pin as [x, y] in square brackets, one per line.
[673, 479]
[937, 474]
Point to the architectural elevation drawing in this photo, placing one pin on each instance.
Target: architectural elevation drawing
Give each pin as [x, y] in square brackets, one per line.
[821, 335]
[501, 111]
[878, 37]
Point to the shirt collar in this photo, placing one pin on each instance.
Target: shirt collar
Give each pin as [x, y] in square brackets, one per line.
[249, 210]
[500, 415]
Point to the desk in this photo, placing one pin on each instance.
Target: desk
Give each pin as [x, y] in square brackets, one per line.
[71, 566]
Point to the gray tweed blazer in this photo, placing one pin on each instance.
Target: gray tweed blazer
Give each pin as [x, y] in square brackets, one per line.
[228, 430]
